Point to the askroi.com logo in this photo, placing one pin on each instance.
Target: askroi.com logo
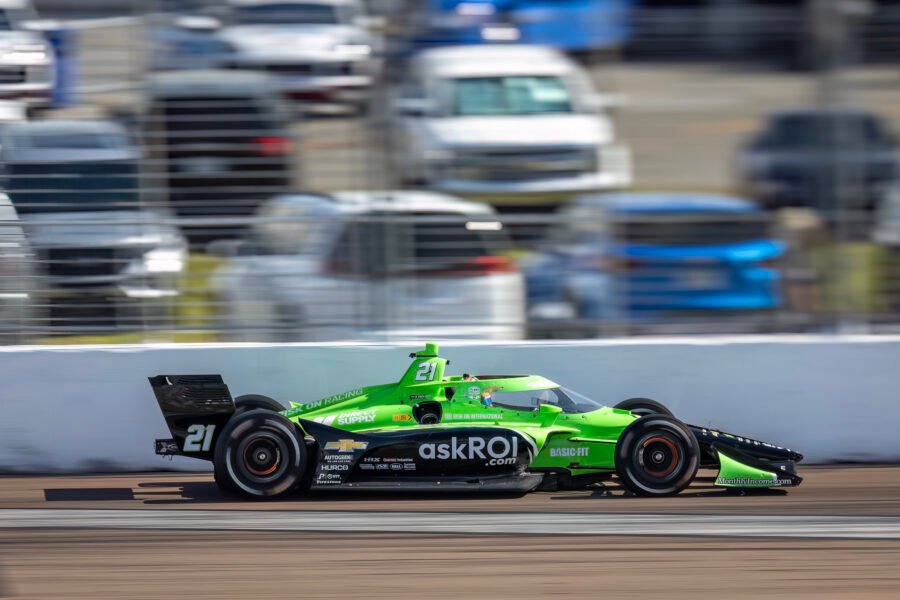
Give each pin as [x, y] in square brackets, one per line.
[497, 450]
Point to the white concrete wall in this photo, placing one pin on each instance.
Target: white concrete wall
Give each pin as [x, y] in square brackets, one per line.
[91, 408]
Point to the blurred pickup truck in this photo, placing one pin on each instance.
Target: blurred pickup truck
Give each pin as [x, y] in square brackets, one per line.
[510, 125]
[370, 265]
[103, 262]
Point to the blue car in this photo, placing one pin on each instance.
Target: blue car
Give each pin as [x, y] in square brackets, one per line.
[568, 25]
[652, 257]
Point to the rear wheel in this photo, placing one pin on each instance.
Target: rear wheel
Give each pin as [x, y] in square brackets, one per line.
[657, 456]
[249, 402]
[243, 404]
[260, 455]
[644, 406]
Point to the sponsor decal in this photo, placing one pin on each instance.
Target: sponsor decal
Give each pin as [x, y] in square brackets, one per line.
[356, 417]
[396, 467]
[497, 450]
[329, 467]
[316, 404]
[402, 418]
[752, 482]
[474, 416]
[328, 479]
[381, 467]
[366, 467]
[346, 445]
[338, 458]
[569, 452]
[474, 392]
[417, 396]
[409, 466]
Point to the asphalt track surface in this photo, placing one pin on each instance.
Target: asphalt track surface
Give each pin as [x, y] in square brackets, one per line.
[173, 534]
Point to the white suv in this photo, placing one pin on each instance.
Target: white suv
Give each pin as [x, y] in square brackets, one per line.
[503, 123]
[26, 59]
[371, 265]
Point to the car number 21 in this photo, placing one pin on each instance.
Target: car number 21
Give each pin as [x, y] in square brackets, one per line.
[426, 372]
[199, 438]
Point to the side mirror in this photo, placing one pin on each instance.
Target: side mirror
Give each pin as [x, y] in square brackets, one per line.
[414, 107]
[548, 413]
[198, 23]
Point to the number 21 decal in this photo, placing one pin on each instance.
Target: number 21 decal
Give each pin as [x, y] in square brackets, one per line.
[426, 371]
[199, 438]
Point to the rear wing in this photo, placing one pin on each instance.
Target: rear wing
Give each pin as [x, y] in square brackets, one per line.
[195, 408]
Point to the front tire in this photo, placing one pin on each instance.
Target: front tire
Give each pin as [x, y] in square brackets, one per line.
[644, 406]
[260, 454]
[657, 455]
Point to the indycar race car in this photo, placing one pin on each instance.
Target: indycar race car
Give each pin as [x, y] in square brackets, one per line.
[428, 431]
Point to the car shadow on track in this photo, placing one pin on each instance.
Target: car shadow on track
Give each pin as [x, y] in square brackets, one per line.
[202, 492]
[702, 487]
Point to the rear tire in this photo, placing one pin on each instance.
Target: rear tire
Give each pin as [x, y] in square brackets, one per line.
[243, 404]
[643, 407]
[260, 455]
[657, 455]
[249, 402]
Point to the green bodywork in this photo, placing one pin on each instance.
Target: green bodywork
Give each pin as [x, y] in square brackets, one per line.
[582, 443]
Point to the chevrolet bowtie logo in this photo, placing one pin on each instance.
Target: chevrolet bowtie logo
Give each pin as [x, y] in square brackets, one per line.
[346, 445]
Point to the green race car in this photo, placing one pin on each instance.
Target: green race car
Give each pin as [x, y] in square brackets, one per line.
[449, 433]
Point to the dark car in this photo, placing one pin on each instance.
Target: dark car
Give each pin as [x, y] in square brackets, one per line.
[219, 146]
[823, 159]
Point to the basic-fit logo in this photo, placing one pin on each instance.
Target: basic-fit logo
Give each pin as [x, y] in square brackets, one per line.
[346, 445]
[497, 450]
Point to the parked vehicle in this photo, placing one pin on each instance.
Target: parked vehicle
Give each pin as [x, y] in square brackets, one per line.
[373, 265]
[511, 125]
[26, 59]
[105, 263]
[570, 25]
[647, 257]
[16, 276]
[219, 145]
[818, 158]
[319, 52]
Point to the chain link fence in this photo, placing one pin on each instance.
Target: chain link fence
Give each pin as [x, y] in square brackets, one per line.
[215, 175]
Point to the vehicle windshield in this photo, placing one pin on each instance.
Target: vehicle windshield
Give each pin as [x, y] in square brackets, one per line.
[510, 95]
[280, 13]
[73, 186]
[569, 401]
[814, 131]
[69, 140]
[699, 230]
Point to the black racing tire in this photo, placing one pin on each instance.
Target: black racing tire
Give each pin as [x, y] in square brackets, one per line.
[644, 406]
[249, 402]
[260, 455]
[657, 455]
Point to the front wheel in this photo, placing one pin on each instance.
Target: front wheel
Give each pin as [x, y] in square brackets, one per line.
[260, 454]
[643, 407]
[657, 455]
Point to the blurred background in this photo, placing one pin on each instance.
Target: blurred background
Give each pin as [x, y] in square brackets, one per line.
[261, 170]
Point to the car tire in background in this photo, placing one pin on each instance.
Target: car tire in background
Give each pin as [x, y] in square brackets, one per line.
[657, 455]
[260, 455]
[644, 406]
